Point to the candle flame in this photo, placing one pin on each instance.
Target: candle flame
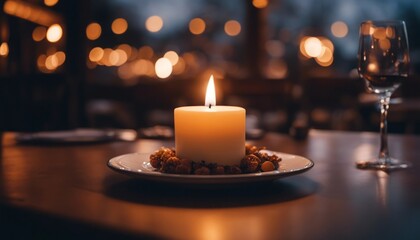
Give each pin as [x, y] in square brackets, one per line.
[210, 93]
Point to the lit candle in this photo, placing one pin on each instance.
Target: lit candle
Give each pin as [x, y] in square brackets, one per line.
[210, 133]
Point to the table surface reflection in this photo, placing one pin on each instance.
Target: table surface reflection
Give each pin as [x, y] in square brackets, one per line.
[68, 191]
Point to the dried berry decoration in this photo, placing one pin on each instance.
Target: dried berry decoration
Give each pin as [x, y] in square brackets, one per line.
[203, 170]
[165, 160]
[160, 155]
[267, 166]
[250, 163]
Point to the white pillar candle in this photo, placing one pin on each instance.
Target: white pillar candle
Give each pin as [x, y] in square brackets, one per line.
[214, 134]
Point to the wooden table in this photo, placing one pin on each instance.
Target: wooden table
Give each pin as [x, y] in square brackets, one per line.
[69, 192]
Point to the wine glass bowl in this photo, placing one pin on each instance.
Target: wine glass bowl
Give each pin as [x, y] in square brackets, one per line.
[383, 62]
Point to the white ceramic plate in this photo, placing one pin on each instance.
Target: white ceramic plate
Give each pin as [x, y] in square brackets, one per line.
[137, 164]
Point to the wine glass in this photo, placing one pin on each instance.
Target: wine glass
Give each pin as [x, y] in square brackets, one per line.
[383, 63]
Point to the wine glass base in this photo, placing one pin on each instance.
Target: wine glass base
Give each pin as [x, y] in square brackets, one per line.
[382, 164]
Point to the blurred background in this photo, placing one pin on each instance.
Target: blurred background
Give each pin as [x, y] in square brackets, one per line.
[127, 63]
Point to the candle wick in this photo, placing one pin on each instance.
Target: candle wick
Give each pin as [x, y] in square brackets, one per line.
[209, 105]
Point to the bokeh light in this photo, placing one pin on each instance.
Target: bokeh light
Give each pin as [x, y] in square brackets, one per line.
[326, 58]
[197, 26]
[379, 33]
[119, 26]
[260, 3]
[372, 67]
[172, 56]
[105, 60]
[232, 28]
[327, 43]
[154, 24]
[4, 49]
[384, 44]
[163, 68]
[390, 32]
[313, 47]
[319, 48]
[41, 61]
[51, 62]
[127, 49]
[96, 54]
[146, 52]
[339, 29]
[48, 63]
[38, 34]
[121, 57]
[142, 67]
[93, 31]
[114, 58]
[133, 53]
[50, 3]
[61, 57]
[28, 10]
[54, 33]
[302, 47]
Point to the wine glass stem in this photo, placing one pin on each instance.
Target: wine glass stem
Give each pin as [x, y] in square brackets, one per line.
[384, 153]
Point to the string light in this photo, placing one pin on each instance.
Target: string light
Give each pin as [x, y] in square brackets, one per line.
[154, 24]
[232, 27]
[54, 33]
[93, 31]
[119, 26]
[197, 26]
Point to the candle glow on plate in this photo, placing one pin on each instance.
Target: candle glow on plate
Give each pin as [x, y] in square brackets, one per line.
[210, 133]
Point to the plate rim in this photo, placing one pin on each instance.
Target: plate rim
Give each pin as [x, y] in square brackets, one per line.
[205, 179]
